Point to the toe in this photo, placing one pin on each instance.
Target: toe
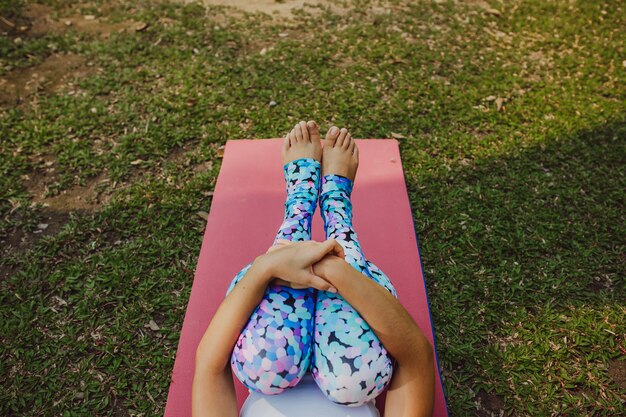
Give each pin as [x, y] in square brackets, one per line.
[347, 141]
[331, 136]
[292, 137]
[342, 137]
[298, 131]
[314, 131]
[352, 145]
[305, 131]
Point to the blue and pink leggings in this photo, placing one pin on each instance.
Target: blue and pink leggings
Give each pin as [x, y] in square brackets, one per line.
[293, 331]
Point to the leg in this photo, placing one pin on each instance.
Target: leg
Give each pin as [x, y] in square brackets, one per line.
[274, 349]
[349, 363]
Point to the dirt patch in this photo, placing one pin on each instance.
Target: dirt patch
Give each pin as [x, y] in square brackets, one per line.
[88, 197]
[39, 20]
[118, 409]
[617, 372]
[51, 75]
[283, 8]
[599, 283]
[18, 239]
[489, 405]
[6, 271]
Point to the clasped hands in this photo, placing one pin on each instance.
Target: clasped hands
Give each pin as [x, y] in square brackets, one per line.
[299, 264]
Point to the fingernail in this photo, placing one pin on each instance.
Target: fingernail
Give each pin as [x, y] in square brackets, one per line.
[333, 130]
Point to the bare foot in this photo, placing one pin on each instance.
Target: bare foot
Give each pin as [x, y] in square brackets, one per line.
[302, 142]
[340, 154]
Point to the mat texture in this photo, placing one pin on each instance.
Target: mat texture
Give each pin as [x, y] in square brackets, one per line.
[245, 214]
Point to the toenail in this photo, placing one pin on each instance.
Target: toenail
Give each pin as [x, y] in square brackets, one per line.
[333, 130]
[344, 130]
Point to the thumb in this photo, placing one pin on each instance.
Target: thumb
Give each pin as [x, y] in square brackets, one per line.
[320, 283]
[331, 245]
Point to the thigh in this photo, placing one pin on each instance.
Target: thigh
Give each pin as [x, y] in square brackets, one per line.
[381, 278]
[273, 350]
[349, 363]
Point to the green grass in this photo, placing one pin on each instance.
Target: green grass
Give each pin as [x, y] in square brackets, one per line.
[519, 212]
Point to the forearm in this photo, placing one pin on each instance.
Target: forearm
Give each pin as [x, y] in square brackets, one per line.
[380, 309]
[396, 330]
[213, 352]
[213, 392]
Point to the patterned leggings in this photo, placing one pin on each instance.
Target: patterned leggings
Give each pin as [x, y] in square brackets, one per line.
[296, 330]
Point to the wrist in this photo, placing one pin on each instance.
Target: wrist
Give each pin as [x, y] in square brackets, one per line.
[329, 268]
[263, 268]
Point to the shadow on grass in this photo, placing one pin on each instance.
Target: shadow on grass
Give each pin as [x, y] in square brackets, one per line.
[522, 240]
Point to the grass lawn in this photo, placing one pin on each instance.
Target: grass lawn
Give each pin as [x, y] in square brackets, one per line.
[511, 119]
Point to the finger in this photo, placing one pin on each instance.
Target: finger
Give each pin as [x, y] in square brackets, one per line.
[278, 281]
[322, 249]
[282, 282]
[321, 284]
[335, 247]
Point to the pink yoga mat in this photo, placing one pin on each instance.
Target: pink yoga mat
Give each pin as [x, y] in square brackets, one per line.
[245, 214]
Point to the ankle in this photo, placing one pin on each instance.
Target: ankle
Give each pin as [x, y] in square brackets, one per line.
[336, 184]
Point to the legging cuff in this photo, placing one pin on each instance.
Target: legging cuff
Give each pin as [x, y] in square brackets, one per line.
[302, 177]
[333, 182]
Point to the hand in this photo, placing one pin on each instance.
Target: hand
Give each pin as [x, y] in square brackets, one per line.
[290, 263]
[329, 267]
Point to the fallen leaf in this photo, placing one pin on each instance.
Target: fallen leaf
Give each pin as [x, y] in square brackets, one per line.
[153, 326]
[137, 162]
[89, 17]
[42, 226]
[494, 12]
[397, 135]
[7, 22]
[203, 215]
[490, 98]
[59, 300]
[499, 103]
[140, 26]
[220, 151]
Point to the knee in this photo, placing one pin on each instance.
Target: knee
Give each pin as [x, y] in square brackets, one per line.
[268, 366]
[353, 382]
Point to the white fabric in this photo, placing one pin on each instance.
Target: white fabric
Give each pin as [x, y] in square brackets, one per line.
[303, 400]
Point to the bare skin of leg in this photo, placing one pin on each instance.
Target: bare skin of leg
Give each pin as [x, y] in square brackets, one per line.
[303, 141]
[340, 153]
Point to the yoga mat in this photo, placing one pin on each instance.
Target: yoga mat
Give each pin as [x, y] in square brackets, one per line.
[246, 212]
